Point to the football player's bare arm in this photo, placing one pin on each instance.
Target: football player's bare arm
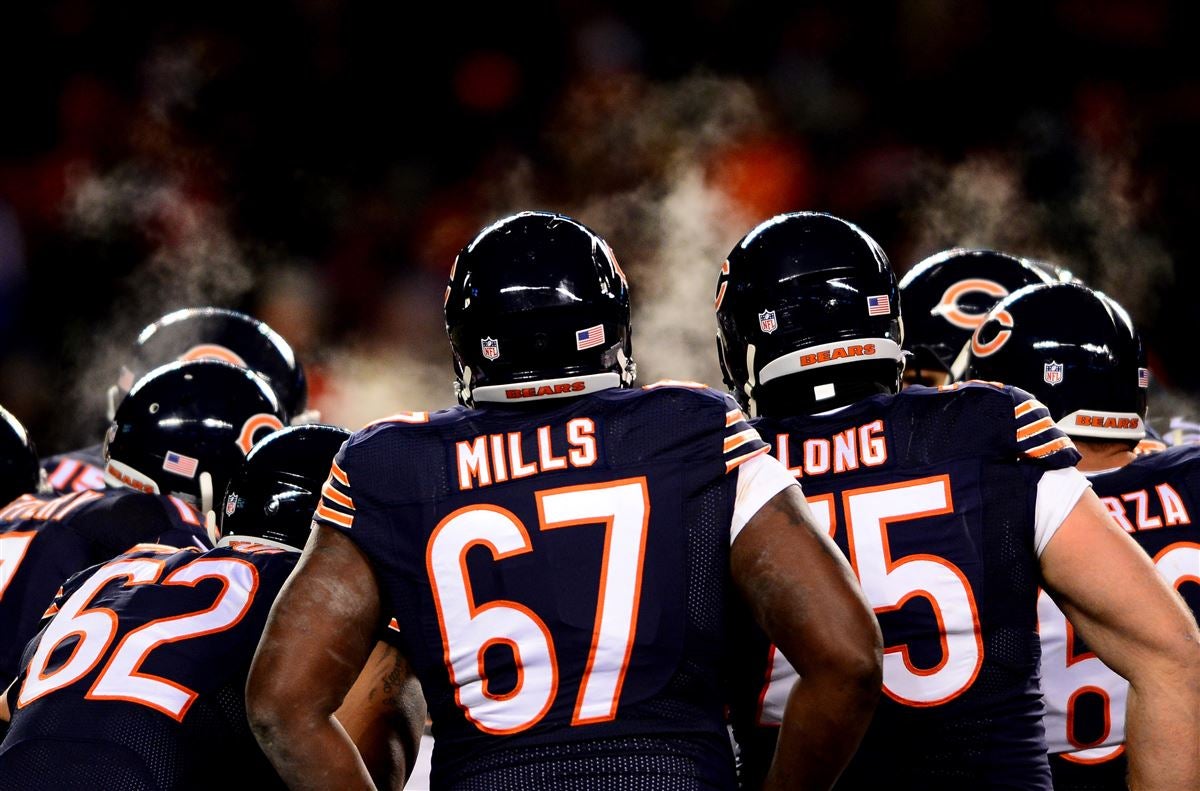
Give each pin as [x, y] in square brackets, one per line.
[383, 714]
[807, 600]
[1108, 588]
[316, 641]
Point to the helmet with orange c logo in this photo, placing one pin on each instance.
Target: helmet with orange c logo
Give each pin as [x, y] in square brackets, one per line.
[185, 428]
[217, 334]
[947, 295]
[1076, 350]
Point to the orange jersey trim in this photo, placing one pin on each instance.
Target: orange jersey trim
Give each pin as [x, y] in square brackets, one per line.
[1052, 446]
[1036, 427]
[345, 520]
[1026, 407]
[740, 460]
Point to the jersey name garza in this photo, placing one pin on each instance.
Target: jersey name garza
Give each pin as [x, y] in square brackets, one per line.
[559, 575]
[931, 495]
[46, 539]
[1155, 499]
[142, 665]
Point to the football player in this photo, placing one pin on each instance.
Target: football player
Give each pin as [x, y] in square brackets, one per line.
[174, 442]
[952, 504]
[945, 297]
[181, 336]
[19, 471]
[1078, 353]
[558, 551]
[148, 694]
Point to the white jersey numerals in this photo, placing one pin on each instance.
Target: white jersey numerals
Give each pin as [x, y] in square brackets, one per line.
[1067, 676]
[13, 547]
[470, 628]
[95, 628]
[888, 584]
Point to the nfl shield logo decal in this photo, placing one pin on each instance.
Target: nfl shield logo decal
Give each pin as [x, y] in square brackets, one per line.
[766, 321]
[491, 348]
[1052, 372]
[231, 505]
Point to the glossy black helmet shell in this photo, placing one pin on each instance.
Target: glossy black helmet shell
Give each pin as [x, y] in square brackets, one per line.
[1076, 350]
[807, 294]
[947, 295]
[274, 493]
[537, 306]
[209, 333]
[183, 420]
[19, 468]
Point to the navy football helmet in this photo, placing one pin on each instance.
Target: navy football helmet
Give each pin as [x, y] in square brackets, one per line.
[275, 492]
[537, 307]
[808, 316]
[185, 428]
[20, 472]
[947, 296]
[1074, 349]
[1057, 272]
[217, 334]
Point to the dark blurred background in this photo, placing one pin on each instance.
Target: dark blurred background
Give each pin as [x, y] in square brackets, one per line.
[318, 164]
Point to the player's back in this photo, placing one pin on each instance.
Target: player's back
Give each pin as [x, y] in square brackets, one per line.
[44, 539]
[1156, 499]
[932, 495]
[75, 470]
[561, 575]
[152, 696]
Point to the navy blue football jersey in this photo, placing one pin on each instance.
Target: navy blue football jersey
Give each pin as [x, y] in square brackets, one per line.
[44, 539]
[932, 496]
[136, 680]
[1156, 499]
[76, 470]
[561, 575]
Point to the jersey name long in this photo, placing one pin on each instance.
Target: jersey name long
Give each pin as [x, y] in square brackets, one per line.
[941, 500]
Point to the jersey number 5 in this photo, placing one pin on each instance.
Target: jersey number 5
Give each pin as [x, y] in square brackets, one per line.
[890, 582]
[470, 628]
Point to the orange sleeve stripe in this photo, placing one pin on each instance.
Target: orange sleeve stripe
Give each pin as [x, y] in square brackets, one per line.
[730, 466]
[733, 416]
[1026, 407]
[339, 474]
[333, 494]
[739, 439]
[1052, 446]
[1035, 427]
[345, 520]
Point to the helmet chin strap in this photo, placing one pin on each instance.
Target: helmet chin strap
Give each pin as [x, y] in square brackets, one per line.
[462, 386]
[114, 396]
[751, 404]
[206, 507]
[628, 367]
